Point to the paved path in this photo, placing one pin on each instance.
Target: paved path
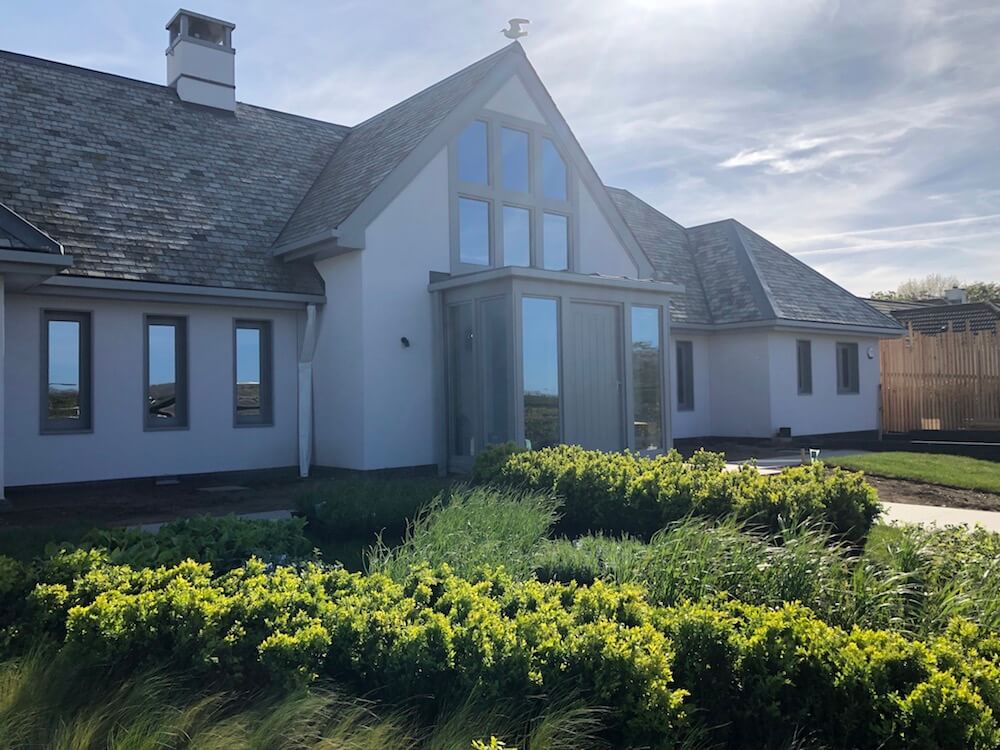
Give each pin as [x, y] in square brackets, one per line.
[941, 516]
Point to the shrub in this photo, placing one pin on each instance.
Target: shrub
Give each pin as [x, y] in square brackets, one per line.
[754, 676]
[626, 492]
[478, 527]
[222, 541]
[344, 509]
[491, 460]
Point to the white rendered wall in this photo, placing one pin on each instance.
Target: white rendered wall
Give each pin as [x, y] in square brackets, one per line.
[513, 99]
[824, 411]
[739, 378]
[407, 241]
[598, 248]
[338, 366]
[119, 447]
[698, 421]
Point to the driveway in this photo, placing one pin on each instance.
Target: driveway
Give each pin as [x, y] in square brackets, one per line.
[929, 514]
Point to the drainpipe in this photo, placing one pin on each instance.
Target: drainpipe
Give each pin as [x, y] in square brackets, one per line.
[306, 392]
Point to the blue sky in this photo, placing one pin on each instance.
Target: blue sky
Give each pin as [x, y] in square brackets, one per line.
[862, 136]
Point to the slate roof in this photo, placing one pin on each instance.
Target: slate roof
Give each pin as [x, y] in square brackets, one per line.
[972, 316]
[889, 306]
[376, 147]
[137, 185]
[16, 233]
[734, 275]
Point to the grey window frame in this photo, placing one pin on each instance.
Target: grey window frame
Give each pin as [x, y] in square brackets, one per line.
[804, 375]
[853, 384]
[181, 420]
[86, 422]
[685, 375]
[497, 196]
[266, 416]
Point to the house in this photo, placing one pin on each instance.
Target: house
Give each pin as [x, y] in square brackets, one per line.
[953, 312]
[192, 284]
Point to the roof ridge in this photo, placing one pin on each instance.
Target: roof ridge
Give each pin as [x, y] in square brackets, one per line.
[761, 290]
[499, 53]
[824, 277]
[45, 62]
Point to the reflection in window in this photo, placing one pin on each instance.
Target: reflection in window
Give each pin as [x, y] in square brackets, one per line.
[66, 369]
[540, 334]
[516, 236]
[514, 150]
[462, 378]
[474, 231]
[166, 390]
[553, 171]
[473, 162]
[847, 368]
[555, 242]
[496, 370]
[647, 377]
[253, 372]
[685, 376]
[803, 352]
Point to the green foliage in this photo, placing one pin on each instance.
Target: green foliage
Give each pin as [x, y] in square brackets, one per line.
[491, 460]
[360, 508]
[749, 675]
[222, 541]
[478, 527]
[626, 492]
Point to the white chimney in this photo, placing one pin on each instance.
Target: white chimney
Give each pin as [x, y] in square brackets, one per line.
[201, 61]
[956, 296]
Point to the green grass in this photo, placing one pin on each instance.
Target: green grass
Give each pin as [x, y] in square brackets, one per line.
[932, 468]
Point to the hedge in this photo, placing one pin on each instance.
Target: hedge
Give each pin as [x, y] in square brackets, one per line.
[627, 492]
[747, 675]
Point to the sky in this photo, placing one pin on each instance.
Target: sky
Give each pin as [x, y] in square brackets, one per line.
[863, 137]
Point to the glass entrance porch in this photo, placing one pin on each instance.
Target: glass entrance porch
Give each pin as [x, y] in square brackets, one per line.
[542, 358]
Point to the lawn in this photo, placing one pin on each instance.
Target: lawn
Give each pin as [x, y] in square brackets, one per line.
[932, 468]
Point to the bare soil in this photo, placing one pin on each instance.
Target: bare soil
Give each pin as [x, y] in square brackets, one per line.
[918, 493]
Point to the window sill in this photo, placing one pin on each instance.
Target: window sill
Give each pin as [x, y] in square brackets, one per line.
[87, 431]
[245, 425]
[166, 428]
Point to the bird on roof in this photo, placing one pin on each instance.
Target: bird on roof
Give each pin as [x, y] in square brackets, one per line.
[514, 30]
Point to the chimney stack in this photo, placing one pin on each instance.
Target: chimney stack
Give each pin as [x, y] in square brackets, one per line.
[956, 296]
[201, 61]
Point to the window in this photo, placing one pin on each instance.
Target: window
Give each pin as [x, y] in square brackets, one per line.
[474, 232]
[555, 242]
[685, 376]
[803, 351]
[66, 393]
[494, 315]
[514, 160]
[516, 236]
[253, 403]
[166, 373]
[462, 378]
[540, 336]
[512, 197]
[648, 417]
[473, 159]
[847, 368]
[553, 171]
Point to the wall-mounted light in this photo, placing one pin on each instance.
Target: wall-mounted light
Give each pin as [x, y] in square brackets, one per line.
[405, 342]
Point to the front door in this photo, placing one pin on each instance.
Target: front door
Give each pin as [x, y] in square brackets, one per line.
[593, 377]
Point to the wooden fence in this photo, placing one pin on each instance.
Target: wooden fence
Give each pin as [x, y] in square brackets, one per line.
[946, 381]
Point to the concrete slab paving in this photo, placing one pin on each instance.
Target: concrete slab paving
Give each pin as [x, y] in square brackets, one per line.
[933, 514]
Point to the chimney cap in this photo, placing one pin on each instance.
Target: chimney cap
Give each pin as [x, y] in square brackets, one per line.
[200, 16]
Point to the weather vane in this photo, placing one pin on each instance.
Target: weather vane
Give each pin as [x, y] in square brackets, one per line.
[514, 30]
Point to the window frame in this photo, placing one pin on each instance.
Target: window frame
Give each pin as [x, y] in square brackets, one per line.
[497, 196]
[85, 364]
[266, 417]
[853, 385]
[181, 420]
[804, 388]
[662, 342]
[685, 379]
[522, 393]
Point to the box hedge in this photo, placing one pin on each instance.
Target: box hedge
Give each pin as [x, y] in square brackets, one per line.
[627, 492]
[748, 675]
